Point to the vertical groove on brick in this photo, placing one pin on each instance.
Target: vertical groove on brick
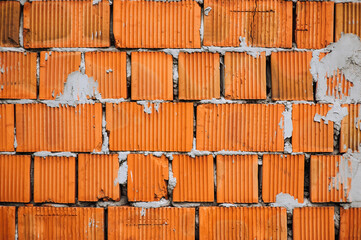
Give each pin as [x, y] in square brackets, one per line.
[309, 135]
[169, 127]
[66, 24]
[314, 24]
[54, 179]
[54, 70]
[347, 19]
[195, 178]
[245, 76]
[199, 76]
[282, 174]
[240, 127]
[242, 223]
[9, 23]
[262, 23]
[350, 225]
[313, 223]
[237, 179]
[18, 75]
[291, 76]
[152, 76]
[151, 24]
[61, 129]
[14, 178]
[152, 223]
[350, 137]
[7, 127]
[61, 223]
[7, 220]
[147, 176]
[109, 69]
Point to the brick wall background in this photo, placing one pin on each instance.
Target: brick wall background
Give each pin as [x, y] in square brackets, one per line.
[220, 119]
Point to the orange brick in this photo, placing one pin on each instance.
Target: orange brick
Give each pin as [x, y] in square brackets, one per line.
[291, 76]
[240, 127]
[313, 223]
[169, 127]
[7, 223]
[43, 128]
[347, 19]
[242, 223]
[54, 70]
[152, 24]
[237, 179]
[96, 175]
[350, 136]
[195, 178]
[61, 223]
[350, 225]
[199, 76]
[153, 223]
[282, 174]
[17, 75]
[66, 24]
[9, 23]
[54, 179]
[325, 184]
[15, 178]
[7, 124]
[152, 76]
[245, 76]
[147, 176]
[109, 69]
[262, 23]
[309, 135]
[314, 24]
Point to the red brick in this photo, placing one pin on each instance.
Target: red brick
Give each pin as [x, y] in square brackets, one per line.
[7, 223]
[199, 76]
[350, 135]
[54, 70]
[155, 24]
[152, 76]
[147, 176]
[195, 178]
[60, 129]
[15, 178]
[350, 224]
[66, 24]
[54, 179]
[347, 19]
[18, 75]
[9, 23]
[96, 175]
[7, 124]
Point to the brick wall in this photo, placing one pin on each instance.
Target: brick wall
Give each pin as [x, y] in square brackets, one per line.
[180, 120]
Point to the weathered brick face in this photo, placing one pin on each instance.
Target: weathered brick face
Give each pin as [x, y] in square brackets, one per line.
[180, 119]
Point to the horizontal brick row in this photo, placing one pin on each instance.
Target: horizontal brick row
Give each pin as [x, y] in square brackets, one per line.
[148, 175]
[136, 126]
[169, 223]
[263, 24]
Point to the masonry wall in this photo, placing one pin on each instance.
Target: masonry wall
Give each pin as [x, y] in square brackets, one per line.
[220, 119]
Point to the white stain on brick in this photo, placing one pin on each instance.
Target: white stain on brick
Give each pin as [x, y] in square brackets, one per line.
[122, 174]
[288, 201]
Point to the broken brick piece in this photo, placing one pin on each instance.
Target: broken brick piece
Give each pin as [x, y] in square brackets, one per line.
[15, 178]
[7, 125]
[55, 68]
[9, 23]
[237, 179]
[350, 135]
[313, 223]
[311, 134]
[242, 223]
[18, 75]
[282, 174]
[7, 223]
[54, 179]
[96, 177]
[195, 178]
[72, 223]
[151, 223]
[314, 24]
[147, 176]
